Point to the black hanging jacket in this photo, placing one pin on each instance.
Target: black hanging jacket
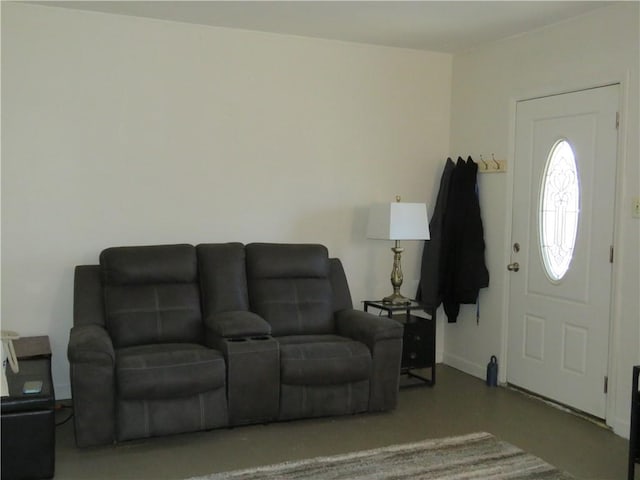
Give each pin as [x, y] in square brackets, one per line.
[465, 271]
[430, 286]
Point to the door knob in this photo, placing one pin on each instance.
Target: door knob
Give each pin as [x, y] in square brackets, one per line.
[513, 267]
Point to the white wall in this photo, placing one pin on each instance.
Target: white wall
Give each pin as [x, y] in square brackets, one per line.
[120, 130]
[595, 49]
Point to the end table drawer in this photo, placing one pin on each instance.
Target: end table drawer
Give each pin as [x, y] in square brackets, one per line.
[416, 350]
[28, 445]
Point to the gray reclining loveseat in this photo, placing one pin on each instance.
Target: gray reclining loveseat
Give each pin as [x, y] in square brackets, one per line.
[177, 338]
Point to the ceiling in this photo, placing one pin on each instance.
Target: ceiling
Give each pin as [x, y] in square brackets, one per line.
[443, 26]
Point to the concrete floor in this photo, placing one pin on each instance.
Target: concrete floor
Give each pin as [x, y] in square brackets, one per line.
[458, 404]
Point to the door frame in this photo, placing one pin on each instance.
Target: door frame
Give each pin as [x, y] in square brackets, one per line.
[613, 370]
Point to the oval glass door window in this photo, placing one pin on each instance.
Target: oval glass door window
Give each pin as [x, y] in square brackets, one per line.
[559, 210]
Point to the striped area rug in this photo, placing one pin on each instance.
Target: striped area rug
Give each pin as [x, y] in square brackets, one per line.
[473, 456]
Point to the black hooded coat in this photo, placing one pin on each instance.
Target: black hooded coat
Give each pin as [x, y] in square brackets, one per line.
[459, 264]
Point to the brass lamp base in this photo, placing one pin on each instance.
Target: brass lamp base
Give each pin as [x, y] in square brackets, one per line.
[396, 299]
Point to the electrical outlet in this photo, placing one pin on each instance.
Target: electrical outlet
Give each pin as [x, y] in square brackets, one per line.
[636, 207]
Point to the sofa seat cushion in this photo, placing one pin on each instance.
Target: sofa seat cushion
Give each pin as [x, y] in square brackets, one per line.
[169, 370]
[323, 360]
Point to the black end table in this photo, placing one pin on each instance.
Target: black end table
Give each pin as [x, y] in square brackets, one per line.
[418, 340]
[28, 420]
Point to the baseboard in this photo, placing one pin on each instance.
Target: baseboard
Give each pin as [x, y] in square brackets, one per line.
[620, 426]
[459, 363]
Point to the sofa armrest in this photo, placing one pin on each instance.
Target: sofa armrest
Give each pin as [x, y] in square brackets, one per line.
[367, 328]
[383, 336]
[91, 344]
[92, 361]
[237, 324]
[88, 303]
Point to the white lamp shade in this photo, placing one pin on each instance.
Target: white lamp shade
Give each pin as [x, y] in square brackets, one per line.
[398, 221]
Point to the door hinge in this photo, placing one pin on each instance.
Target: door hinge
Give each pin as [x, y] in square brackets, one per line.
[611, 254]
[617, 120]
[606, 384]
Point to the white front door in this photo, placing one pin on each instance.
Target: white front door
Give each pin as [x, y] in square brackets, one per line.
[562, 237]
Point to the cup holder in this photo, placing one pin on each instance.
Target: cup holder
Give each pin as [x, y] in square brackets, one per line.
[263, 337]
[236, 340]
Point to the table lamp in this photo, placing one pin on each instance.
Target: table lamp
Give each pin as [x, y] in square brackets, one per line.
[398, 221]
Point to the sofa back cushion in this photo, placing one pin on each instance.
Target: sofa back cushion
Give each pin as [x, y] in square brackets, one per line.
[289, 286]
[223, 277]
[151, 295]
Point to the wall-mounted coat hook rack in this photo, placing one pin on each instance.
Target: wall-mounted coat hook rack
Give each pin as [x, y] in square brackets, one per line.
[492, 166]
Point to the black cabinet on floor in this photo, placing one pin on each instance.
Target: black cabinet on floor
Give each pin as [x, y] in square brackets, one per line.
[419, 339]
[28, 423]
[634, 433]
